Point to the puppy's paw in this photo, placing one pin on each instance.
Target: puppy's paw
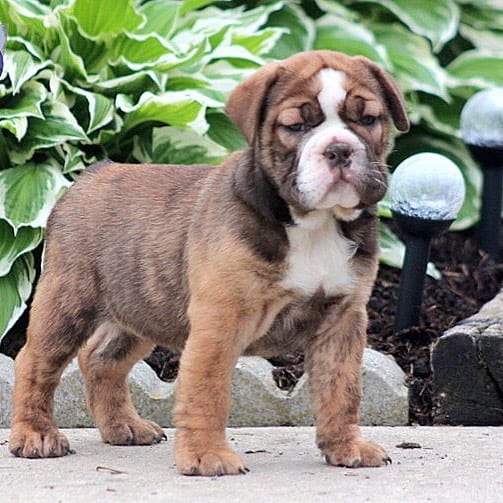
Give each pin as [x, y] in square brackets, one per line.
[209, 463]
[132, 431]
[26, 442]
[357, 453]
[205, 452]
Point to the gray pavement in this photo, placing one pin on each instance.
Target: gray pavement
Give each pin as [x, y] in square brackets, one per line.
[452, 464]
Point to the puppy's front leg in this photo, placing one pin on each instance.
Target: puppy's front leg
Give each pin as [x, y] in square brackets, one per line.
[334, 367]
[203, 395]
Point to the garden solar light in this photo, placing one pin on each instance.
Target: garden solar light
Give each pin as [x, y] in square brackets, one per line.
[427, 191]
[482, 129]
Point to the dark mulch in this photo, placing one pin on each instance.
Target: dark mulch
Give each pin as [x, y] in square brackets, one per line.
[469, 279]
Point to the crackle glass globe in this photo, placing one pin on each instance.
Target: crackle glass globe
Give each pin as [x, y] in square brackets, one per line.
[428, 186]
[482, 119]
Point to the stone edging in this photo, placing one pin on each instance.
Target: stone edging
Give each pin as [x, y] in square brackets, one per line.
[256, 399]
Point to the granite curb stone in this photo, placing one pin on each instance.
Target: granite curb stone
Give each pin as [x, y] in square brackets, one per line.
[468, 369]
[257, 401]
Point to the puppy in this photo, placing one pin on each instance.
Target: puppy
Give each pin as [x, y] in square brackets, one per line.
[274, 250]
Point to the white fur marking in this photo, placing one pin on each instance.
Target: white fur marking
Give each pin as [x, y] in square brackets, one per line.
[332, 94]
[319, 256]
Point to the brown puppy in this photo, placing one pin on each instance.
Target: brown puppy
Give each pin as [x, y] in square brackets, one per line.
[274, 250]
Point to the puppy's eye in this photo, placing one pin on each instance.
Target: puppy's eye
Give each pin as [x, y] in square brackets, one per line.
[300, 127]
[368, 120]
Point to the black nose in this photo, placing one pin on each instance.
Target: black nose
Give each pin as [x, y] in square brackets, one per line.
[338, 154]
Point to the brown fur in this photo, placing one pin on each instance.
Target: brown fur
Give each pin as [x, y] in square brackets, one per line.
[192, 258]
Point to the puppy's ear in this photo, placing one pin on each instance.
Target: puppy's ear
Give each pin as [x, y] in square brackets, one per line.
[392, 95]
[245, 105]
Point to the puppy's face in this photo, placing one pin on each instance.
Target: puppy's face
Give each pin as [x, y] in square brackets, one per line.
[323, 130]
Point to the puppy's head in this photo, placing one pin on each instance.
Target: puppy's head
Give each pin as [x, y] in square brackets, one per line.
[320, 127]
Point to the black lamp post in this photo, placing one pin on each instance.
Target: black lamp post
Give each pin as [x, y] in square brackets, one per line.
[427, 191]
[482, 129]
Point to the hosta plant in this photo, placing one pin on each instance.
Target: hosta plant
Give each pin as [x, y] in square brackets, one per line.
[145, 81]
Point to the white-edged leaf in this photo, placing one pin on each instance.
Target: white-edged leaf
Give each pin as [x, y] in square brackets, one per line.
[15, 289]
[176, 108]
[170, 145]
[414, 65]
[57, 126]
[353, 38]
[224, 132]
[131, 83]
[300, 31]
[190, 5]
[17, 126]
[160, 17]
[13, 246]
[258, 43]
[28, 193]
[105, 18]
[21, 66]
[436, 20]
[478, 69]
[100, 109]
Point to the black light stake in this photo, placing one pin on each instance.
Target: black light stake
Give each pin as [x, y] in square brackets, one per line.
[427, 191]
[482, 129]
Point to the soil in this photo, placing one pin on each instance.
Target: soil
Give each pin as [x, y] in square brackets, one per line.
[469, 279]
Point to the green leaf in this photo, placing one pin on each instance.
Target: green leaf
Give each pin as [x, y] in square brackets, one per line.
[15, 110]
[160, 17]
[139, 50]
[224, 132]
[28, 193]
[169, 145]
[15, 289]
[71, 158]
[353, 38]
[72, 63]
[415, 67]
[478, 69]
[100, 110]
[57, 126]
[190, 5]
[13, 246]
[258, 43]
[132, 83]
[483, 15]
[17, 126]
[21, 66]
[176, 108]
[30, 19]
[105, 18]
[300, 34]
[436, 20]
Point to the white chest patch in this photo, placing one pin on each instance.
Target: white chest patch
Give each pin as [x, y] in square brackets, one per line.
[319, 256]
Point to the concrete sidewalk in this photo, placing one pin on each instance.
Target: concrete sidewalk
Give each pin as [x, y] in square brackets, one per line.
[452, 464]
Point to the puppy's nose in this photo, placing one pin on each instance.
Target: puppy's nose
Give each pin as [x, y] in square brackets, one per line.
[338, 154]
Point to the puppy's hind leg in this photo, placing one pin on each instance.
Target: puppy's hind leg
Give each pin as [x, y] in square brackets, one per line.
[105, 362]
[57, 328]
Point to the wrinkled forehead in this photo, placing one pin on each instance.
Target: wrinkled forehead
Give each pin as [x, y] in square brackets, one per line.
[329, 87]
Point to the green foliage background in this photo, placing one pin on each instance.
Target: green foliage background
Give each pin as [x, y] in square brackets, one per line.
[145, 81]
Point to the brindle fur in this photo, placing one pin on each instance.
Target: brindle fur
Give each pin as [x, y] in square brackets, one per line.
[191, 258]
